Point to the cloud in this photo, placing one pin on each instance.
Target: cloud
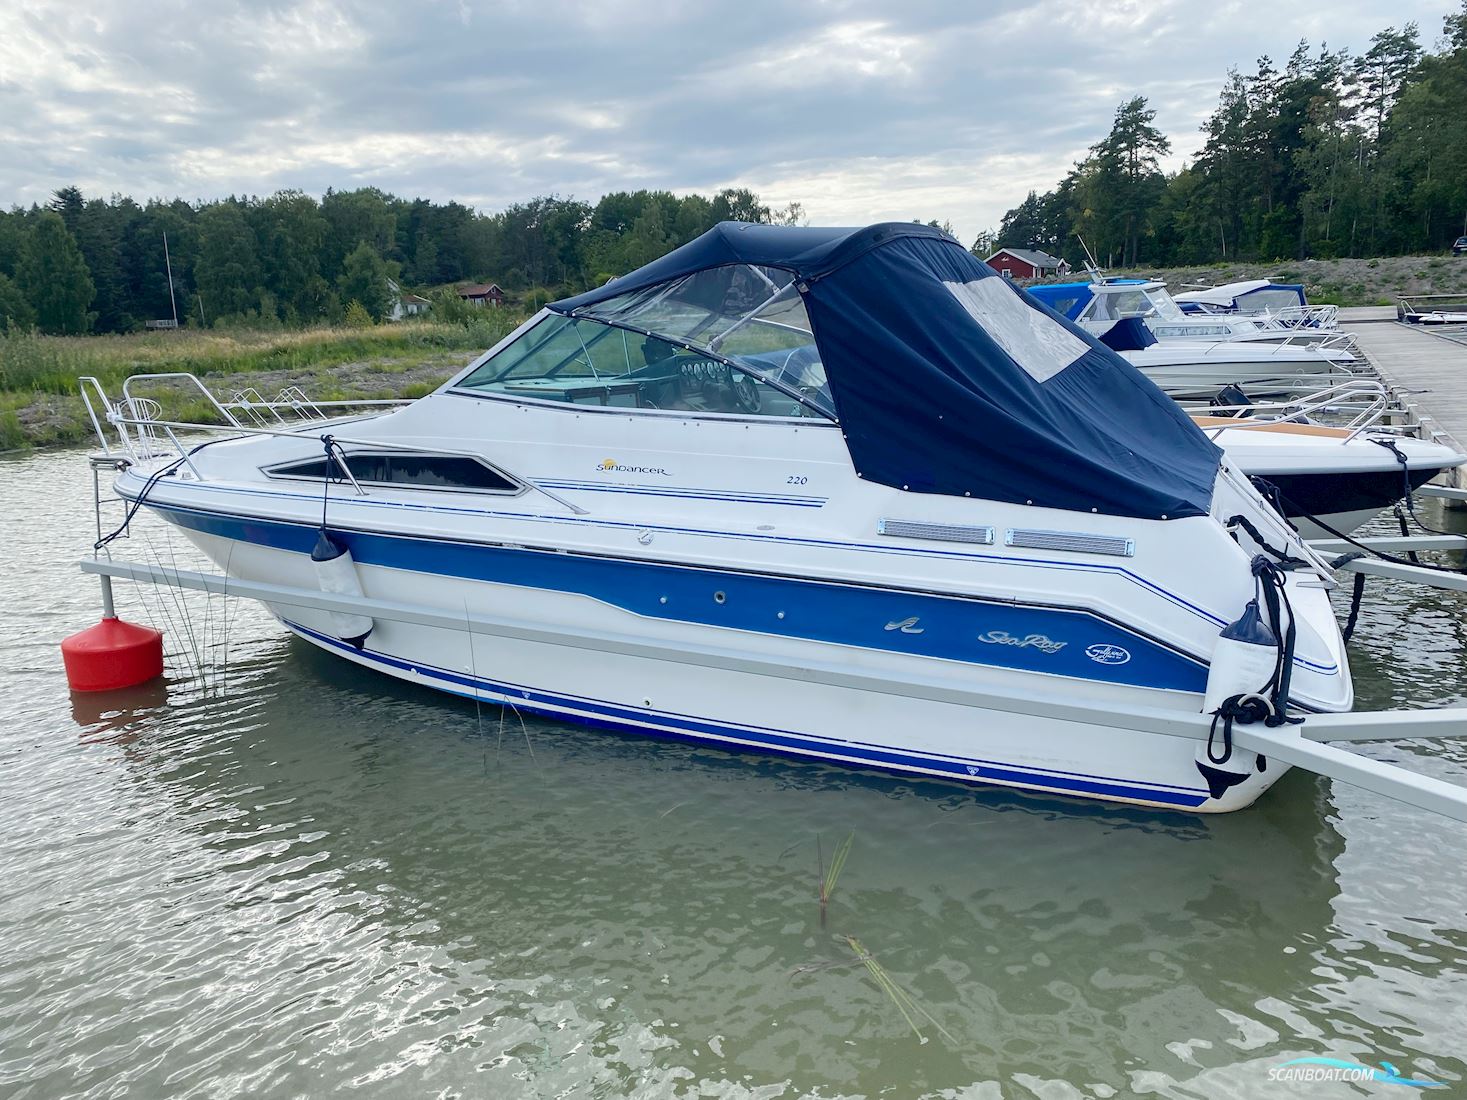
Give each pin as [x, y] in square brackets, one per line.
[861, 110]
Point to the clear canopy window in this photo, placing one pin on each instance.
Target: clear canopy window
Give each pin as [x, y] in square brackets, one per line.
[733, 340]
[1115, 305]
[1274, 299]
[1164, 304]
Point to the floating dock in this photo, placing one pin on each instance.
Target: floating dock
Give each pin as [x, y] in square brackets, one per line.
[1427, 372]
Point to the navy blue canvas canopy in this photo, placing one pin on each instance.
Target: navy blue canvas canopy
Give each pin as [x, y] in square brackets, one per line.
[947, 379]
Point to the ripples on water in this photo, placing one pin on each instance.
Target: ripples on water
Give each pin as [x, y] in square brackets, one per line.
[292, 876]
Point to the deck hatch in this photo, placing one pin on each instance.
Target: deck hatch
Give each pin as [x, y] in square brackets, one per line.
[1076, 542]
[940, 532]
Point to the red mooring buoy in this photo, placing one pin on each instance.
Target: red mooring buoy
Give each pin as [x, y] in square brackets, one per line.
[111, 655]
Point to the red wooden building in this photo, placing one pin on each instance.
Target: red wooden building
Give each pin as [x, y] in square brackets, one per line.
[1026, 263]
[486, 294]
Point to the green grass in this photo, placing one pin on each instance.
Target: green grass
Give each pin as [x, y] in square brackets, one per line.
[51, 364]
[12, 433]
[39, 402]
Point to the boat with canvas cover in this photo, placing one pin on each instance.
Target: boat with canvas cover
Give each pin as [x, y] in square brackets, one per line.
[838, 493]
[1284, 303]
[1119, 316]
[1150, 300]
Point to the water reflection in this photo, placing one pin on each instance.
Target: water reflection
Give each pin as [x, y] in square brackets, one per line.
[123, 710]
[489, 868]
[301, 876]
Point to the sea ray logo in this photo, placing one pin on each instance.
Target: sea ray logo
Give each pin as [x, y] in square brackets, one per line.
[906, 626]
[1104, 654]
[1337, 1069]
[1029, 641]
[612, 466]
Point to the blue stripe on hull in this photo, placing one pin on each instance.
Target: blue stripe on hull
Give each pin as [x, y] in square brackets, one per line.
[1107, 570]
[664, 724]
[1051, 641]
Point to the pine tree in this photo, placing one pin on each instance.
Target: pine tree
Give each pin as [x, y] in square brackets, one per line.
[54, 277]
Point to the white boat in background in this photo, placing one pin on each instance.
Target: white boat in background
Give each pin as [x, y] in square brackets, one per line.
[1283, 303]
[1122, 315]
[1149, 299]
[1198, 370]
[843, 494]
[1328, 479]
[1432, 309]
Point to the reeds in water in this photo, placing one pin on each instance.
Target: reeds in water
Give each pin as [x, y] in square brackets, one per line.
[828, 878]
[905, 1003]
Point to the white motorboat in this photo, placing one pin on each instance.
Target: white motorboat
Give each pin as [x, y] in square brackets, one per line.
[1328, 479]
[841, 494]
[1122, 314]
[1194, 370]
[1283, 303]
[1149, 299]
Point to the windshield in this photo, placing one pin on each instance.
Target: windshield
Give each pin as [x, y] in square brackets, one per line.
[1112, 305]
[1165, 306]
[582, 361]
[732, 339]
[1270, 299]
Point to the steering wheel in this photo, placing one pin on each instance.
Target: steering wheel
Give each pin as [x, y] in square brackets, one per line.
[745, 390]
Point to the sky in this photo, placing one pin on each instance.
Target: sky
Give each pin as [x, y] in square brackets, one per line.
[862, 111]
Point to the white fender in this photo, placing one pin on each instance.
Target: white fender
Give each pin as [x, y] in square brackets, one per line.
[1243, 663]
[337, 574]
[1243, 660]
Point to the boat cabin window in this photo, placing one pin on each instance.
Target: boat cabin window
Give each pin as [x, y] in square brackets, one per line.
[403, 470]
[733, 340]
[1188, 328]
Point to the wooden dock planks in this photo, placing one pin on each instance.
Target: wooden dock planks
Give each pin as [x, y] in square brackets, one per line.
[1428, 373]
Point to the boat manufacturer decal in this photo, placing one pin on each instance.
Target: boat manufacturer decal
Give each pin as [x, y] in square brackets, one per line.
[1040, 642]
[1102, 653]
[906, 626]
[612, 466]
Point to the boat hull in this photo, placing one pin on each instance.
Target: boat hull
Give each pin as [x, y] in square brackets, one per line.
[1344, 501]
[733, 705]
[1186, 374]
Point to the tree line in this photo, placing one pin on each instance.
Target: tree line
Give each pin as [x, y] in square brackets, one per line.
[1333, 155]
[81, 264]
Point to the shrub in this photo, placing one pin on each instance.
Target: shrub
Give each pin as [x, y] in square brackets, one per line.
[357, 315]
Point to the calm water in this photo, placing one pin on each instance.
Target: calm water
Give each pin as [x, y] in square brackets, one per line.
[288, 877]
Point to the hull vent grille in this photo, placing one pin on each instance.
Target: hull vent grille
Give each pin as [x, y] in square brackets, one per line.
[939, 532]
[1074, 542]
